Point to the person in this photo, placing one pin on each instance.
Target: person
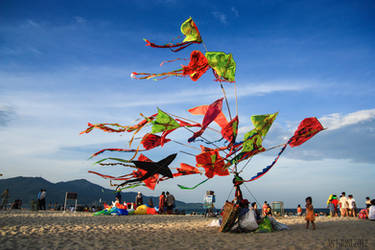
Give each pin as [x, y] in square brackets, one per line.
[310, 216]
[118, 196]
[368, 202]
[344, 205]
[162, 203]
[331, 208]
[264, 208]
[150, 203]
[139, 199]
[254, 207]
[352, 206]
[208, 203]
[4, 197]
[170, 203]
[335, 203]
[371, 212]
[40, 192]
[268, 210]
[43, 195]
[299, 210]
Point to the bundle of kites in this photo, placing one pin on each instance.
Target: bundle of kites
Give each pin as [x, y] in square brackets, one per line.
[126, 209]
[212, 159]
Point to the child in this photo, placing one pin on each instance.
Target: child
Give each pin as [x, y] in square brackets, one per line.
[310, 217]
[299, 210]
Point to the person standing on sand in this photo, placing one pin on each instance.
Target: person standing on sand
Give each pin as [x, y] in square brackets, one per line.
[264, 208]
[170, 203]
[161, 203]
[118, 196]
[344, 205]
[368, 202]
[38, 205]
[352, 206]
[371, 212]
[139, 199]
[310, 216]
[43, 195]
[4, 197]
[335, 202]
[299, 210]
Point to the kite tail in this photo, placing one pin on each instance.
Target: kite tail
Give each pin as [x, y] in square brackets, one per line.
[121, 178]
[171, 46]
[266, 169]
[191, 188]
[114, 149]
[156, 77]
[128, 187]
[105, 127]
[174, 60]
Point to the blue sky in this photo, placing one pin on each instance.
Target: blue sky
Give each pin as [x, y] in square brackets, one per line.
[64, 64]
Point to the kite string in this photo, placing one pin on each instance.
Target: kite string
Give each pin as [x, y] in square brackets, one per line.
[271, 148]
[251, 194]
[226, 100]
[235, 94]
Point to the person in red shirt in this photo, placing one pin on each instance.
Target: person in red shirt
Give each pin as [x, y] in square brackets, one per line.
[161, 203]
[335, 203]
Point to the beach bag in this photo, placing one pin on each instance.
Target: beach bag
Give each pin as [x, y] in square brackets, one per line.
[265, 226]
[248, 221]
[141, 210]
[277, 226]
[362, 214]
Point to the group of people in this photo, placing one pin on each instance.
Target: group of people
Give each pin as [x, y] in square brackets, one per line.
[369, 211]
[266, 209]
[166, 203]
[347, 206]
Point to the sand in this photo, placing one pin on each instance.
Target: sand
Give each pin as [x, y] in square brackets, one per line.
[57, 230]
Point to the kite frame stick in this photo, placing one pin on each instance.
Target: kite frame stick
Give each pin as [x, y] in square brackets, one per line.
[183, 144]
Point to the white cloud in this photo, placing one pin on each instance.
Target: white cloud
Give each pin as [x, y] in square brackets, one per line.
[220, 16]
[235, 11]
[80, 20]
[337, 120]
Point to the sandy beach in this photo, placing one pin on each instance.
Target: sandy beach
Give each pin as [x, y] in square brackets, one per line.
[57, 230]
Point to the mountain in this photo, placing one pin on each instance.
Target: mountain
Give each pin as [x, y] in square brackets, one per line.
[27, 189]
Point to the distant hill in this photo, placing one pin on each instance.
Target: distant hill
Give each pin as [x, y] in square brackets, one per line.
[27, 188]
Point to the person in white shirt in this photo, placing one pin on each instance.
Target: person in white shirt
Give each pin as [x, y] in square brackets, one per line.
[371, 213]
[344, 205]
[352, 206]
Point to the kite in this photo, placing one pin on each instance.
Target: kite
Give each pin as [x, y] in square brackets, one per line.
[229, 132]
[197, 66]
[150, 141]
[189, 29]
[186, 169]
[305, 131]
[212, 112]
[152, 168]
[223, 66]
[262, 123]
[212, 163]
